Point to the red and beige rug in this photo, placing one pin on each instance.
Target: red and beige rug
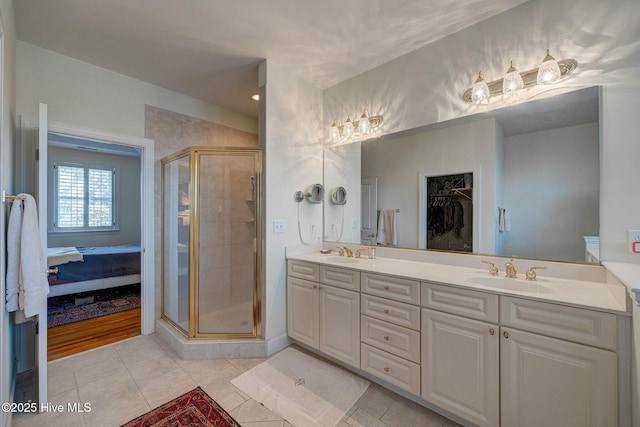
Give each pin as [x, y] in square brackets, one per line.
[194, 408]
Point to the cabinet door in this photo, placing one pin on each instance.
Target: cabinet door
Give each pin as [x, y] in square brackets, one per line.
[302, 311]
[460, 366]
[340, 324]
[550, 382]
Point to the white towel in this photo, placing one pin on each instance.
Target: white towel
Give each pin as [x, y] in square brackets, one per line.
[26, 269]
[13, 255]
[507, 221]
[388, 227]
[504, 220]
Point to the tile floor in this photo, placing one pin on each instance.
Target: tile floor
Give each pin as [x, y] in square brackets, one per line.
[129, 378]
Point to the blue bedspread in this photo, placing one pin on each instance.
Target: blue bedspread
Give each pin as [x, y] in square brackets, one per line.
[102, 261]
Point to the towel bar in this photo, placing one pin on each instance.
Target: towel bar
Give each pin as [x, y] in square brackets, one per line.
[6, 196]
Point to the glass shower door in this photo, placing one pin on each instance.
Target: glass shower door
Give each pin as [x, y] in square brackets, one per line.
[176, 235]
[227, 238]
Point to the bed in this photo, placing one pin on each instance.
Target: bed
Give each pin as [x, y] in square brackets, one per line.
[92, 268]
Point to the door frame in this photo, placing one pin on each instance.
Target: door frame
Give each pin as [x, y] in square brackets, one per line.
[147, 238]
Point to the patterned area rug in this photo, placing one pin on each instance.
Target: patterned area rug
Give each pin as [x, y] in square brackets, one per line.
[62, 310]
[194, 408]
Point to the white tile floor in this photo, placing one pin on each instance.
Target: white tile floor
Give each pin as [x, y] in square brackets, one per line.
[127, 379]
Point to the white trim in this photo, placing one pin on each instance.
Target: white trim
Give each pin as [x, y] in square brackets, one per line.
[147, 159]
[6, 363]
[278, 343]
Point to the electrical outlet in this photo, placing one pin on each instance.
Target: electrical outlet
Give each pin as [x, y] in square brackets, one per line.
[634, 241]
[278, 226]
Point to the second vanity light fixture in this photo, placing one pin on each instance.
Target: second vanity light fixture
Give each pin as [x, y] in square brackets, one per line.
[549, 71]
[354, 130]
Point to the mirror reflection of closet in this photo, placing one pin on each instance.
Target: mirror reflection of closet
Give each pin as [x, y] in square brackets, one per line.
[449, 213]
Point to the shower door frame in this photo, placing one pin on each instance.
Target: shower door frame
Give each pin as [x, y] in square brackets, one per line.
[194, 154]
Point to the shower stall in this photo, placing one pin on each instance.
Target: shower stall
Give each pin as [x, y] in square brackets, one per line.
[211, 241]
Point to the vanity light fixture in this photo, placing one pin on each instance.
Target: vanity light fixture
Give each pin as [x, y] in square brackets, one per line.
[550, 71]
[480, 91]
[512, 81]
[354, 130]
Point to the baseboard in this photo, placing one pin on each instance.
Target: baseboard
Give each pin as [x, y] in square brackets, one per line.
[278, 343]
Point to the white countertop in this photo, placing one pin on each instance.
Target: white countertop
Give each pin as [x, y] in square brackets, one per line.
[593, 295]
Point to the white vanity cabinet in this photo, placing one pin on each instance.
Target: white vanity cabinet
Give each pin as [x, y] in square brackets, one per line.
[491, 358]
[492, 374]
[390, 329]
[552, 372]
[460, 355]
[322, 316]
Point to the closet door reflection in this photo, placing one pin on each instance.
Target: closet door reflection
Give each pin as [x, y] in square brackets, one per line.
[176, 232]
[226, 243]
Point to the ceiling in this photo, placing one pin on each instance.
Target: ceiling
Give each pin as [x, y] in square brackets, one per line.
[210, 49]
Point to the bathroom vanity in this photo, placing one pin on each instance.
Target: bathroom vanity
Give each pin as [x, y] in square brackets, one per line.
[488, 350]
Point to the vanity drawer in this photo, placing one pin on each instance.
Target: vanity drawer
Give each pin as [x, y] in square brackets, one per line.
[303, 270]
[568, 323]
[395, 339]
[465, 302]
[392, 369]
[391, 311]
[340, 277]
[395, 288]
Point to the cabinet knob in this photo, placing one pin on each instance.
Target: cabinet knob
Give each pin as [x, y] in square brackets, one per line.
[491, 331]
[386, 311]
[315, 286]
[386, 369]
[386, 337]
[386, 288]
[505, 334]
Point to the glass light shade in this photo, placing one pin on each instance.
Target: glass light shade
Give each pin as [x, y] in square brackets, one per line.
[334, 132]
[363, 124]
[549, 71]
[347, 129]
[512, 81]
[480, 91]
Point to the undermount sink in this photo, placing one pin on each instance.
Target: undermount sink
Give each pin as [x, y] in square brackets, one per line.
[339, 259]
[519, 285]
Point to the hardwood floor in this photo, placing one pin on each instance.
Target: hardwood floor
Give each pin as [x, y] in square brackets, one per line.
[73, 338]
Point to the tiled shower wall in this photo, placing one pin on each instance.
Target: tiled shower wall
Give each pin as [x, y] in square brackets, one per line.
[172, 132]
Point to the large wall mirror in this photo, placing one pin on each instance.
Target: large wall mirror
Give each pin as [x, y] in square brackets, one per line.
[517, 181]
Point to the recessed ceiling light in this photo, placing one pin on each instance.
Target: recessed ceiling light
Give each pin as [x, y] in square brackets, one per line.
[255, 96]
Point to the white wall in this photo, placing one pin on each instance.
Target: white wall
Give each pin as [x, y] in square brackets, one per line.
[128, 196]
[85, 95]
[557, 170]
[7, 148]
[292, 140]
[397, 164]
[342, 167]
[425, 86]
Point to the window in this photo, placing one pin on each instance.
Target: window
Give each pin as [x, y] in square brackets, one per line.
[84, 197]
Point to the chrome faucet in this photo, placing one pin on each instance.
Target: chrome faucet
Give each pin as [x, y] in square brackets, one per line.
[531, 274]
[510, 269]
[348, 251]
